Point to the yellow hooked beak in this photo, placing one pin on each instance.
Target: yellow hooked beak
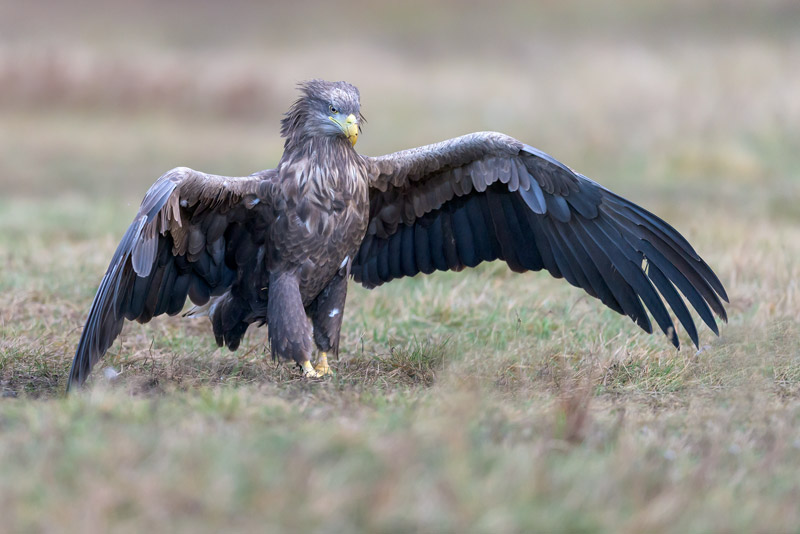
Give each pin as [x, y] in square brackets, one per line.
[349, 128]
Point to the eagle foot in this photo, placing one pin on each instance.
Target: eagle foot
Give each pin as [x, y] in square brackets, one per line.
[309, 371]
[322, 367]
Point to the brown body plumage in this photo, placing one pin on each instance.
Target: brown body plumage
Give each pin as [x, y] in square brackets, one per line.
[279, 246]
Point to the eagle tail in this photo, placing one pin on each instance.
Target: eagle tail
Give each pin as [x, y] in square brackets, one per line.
[230, 317]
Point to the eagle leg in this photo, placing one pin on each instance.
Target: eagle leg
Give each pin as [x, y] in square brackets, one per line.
[326, 313]
[289, 330]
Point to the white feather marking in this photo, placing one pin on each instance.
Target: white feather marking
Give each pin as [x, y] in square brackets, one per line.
[184, 203]
[207, 309]
[110, 373]
[344, 263]
[334, 312]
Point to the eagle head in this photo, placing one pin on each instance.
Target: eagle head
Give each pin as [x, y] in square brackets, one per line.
[324, 109]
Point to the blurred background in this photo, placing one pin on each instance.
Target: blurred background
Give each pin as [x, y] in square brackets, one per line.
[97, 99]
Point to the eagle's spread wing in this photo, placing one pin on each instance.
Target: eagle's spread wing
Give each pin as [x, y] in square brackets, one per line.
[487, 196]
[191, 236]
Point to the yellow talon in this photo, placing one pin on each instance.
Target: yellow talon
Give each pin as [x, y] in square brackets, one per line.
[308, 371]
[322, 367]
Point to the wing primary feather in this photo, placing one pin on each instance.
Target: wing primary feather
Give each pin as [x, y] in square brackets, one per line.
[674, 239]
[590, 269]
[644, 217]
[623, 292]
[697, 271]
[675, 301]
[680, 280]
[578, 264]
[677, 274]
[698, 281]
[95, 334]
[628, 261]
[561, 257]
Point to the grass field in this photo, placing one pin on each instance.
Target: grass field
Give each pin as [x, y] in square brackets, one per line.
[481, 401]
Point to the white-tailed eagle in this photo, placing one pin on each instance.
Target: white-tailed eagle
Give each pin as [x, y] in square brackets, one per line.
[277, 247]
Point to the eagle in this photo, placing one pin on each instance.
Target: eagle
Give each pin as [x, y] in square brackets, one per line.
[279, 246]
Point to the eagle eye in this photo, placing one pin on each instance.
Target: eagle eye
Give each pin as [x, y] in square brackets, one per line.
[332, 109]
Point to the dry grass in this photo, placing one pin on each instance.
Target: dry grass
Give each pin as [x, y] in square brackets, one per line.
[481, 401]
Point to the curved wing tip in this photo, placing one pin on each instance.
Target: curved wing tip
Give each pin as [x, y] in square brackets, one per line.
[674, 339]
[75, 381]
[77, 375]
[72, 385]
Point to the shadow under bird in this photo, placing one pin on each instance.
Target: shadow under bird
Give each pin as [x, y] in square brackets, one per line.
[277, 247]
